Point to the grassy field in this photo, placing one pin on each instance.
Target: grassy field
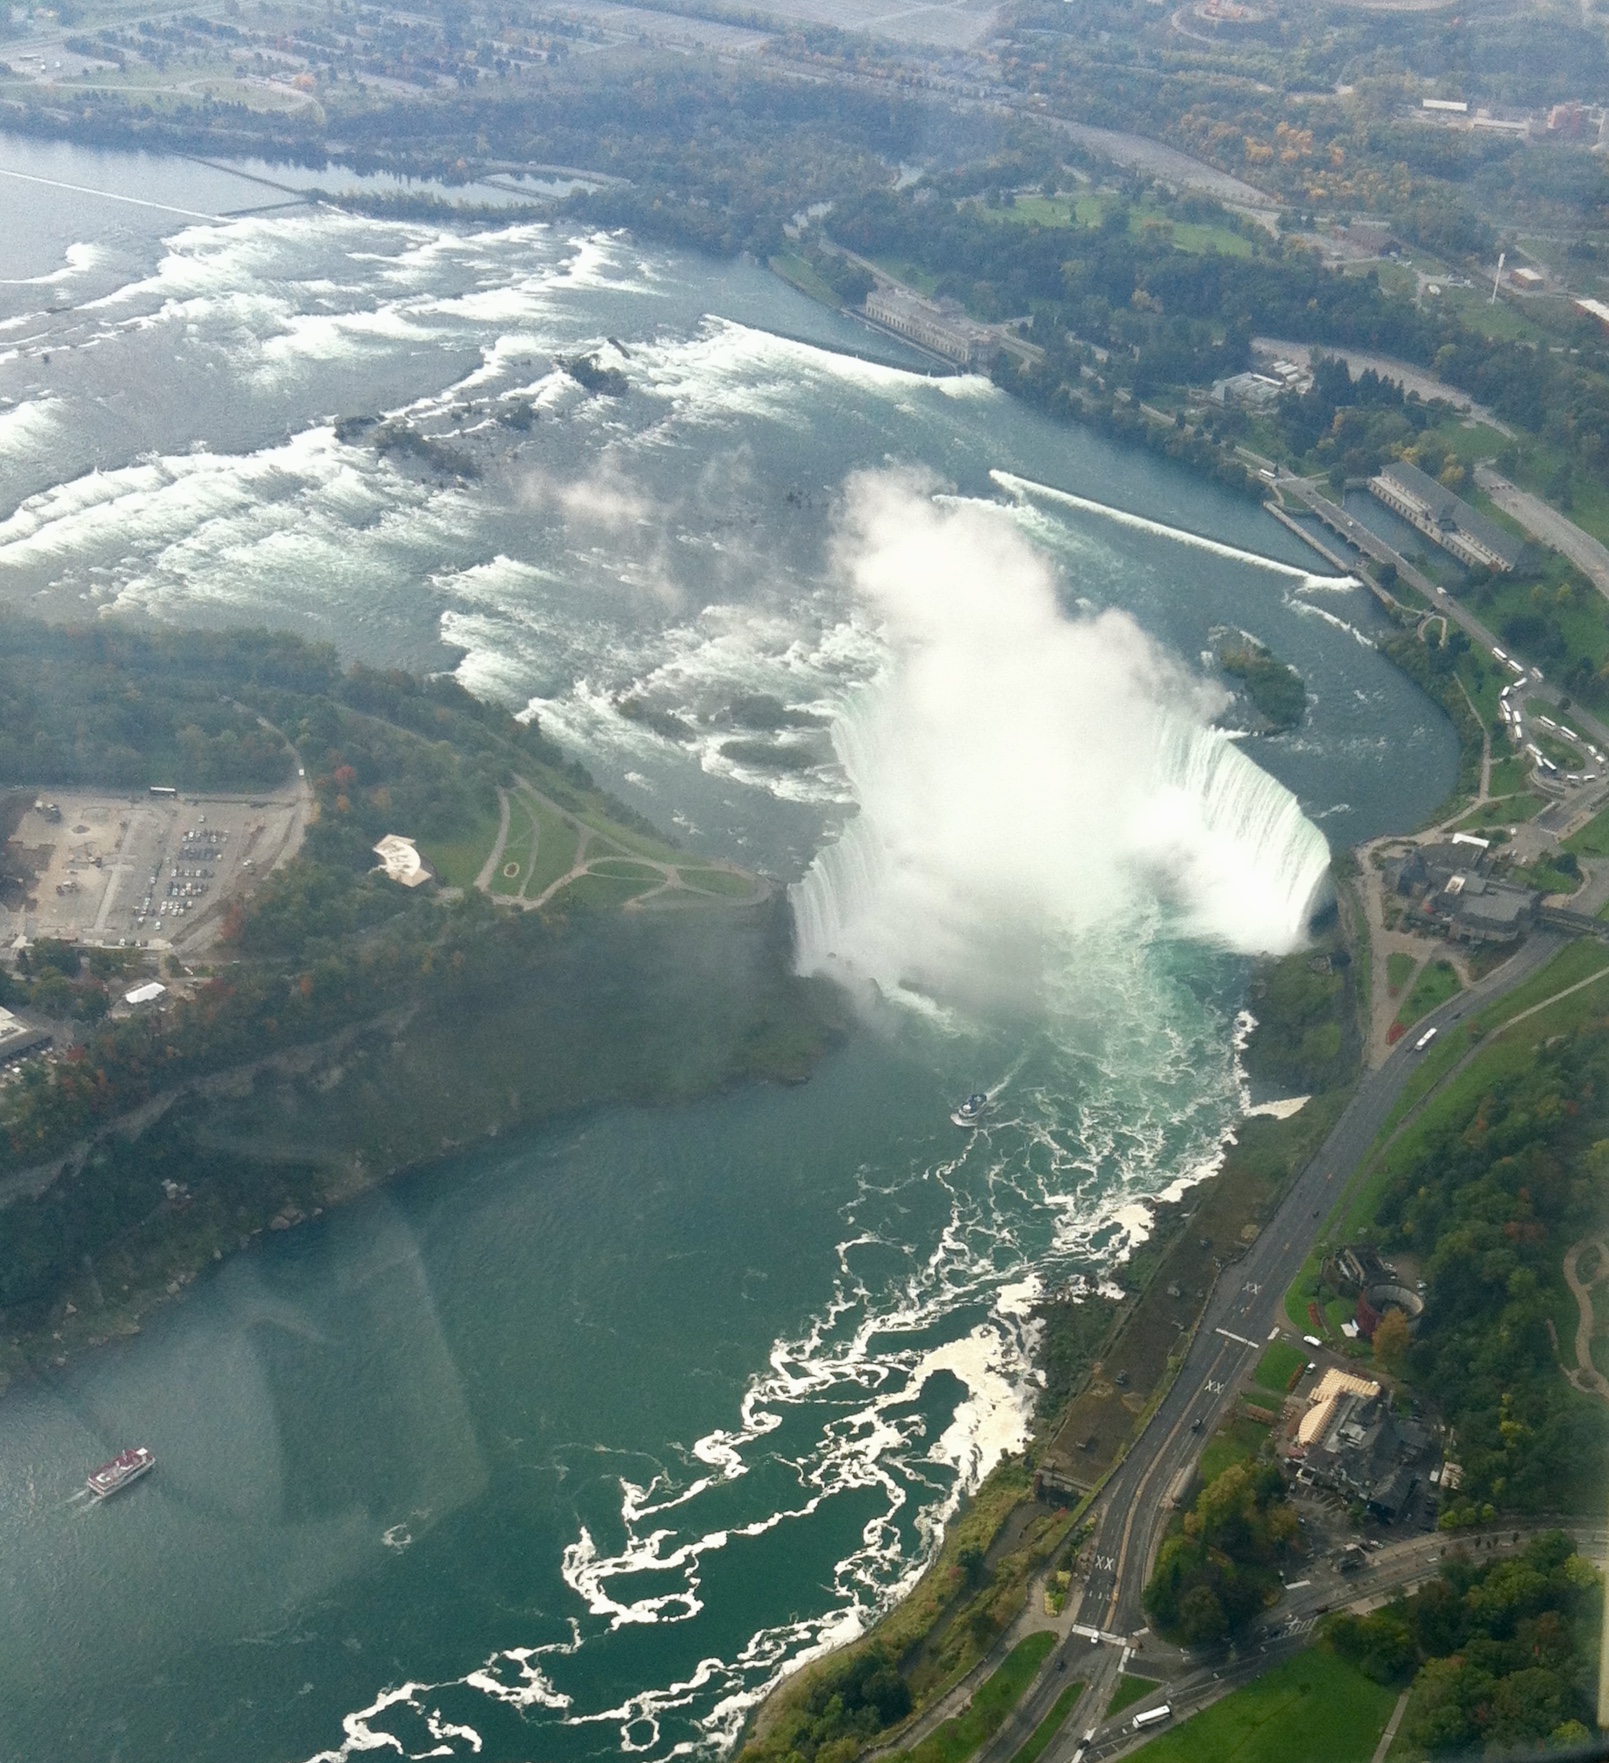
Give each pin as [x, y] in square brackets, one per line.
[458, 861]
[516, 848]
[718, 881]
[912, 274]
[604, 893]
[957, 1739]
[1508, 775]
[1277, 1368]
[1314, 1707]
[1237, 1441]
[1130, 1689]
[1438, 981]
[624, 868]
[1047, 1729]
[1593, 838]
[1502, 811]
[1400, 969]
[794, 268]
[555, 849]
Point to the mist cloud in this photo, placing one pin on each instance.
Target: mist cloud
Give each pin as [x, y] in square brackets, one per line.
[1024, 775]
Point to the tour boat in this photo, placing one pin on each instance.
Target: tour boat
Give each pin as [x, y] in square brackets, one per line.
[972, 1110]
[125, 1467]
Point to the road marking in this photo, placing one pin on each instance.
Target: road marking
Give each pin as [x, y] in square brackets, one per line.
[1214, 1389]
[1230, 1335]
[1252, 1286]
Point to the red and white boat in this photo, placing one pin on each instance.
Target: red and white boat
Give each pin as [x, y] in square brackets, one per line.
[125, 1467]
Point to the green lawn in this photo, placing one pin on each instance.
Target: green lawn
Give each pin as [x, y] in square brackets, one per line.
[957, 1739]
[516, 848]
[1501, 811]
[1130, 1689]
[1593, 838]
[601, 893]
[1548, 878]
[1315, 1708]
[718, 881]
[794, 268]
[1399, 970]
[555, 849]
[1438, 981]
[1277, 1368]
[912, 274]
[1237, 1441]
[1047, 1729]
[1508, 775]
[457, 861]
[624, 868]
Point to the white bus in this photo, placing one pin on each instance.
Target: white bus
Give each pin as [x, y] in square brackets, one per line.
[1152, 1717]
[1424, 1040]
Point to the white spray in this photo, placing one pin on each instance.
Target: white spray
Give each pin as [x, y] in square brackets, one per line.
[1024, 777]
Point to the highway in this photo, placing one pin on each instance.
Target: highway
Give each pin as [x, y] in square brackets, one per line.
[1400, 1566]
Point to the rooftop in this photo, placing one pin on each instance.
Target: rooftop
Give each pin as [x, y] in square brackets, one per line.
[1448, 510]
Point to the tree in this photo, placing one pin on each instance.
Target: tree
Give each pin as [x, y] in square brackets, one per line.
[1391, 1342]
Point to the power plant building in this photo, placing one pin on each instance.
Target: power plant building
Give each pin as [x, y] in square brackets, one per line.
[1448, 519]
[955, 339]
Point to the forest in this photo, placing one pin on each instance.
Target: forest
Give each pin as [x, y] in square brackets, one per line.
[1220, 1570]
[1488, 1205]
[1501, 1657]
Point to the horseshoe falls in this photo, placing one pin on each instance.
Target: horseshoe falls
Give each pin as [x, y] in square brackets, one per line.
[1023, 776]
[689, 1392]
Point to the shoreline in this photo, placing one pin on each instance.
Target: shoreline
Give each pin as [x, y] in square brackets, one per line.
[235, 1117]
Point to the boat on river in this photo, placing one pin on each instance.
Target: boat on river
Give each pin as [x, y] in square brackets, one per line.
[125, 1467]
[972, 1110]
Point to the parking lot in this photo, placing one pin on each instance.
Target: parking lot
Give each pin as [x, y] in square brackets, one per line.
[141, 870]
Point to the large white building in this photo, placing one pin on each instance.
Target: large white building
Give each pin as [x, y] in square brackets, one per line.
[956, 339]
[400, 859]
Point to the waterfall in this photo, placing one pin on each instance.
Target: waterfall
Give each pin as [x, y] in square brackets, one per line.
[1022, 775]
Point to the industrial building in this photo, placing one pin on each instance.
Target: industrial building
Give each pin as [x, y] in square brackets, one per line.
[951, 336]
[1448, 519]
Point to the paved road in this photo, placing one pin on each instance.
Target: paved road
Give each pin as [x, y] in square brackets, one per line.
[1548, 525]
[1400, 1566]
[1372, 545]
[1243, 1308]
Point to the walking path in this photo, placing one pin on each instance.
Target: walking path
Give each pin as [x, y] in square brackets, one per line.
[1586, 1377]
[489, 868]
[1390, 1732]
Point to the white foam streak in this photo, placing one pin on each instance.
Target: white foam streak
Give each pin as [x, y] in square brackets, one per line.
[1022, 486]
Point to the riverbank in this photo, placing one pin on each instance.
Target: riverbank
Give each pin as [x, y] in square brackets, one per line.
[618, 1010]
[1107, 1361]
